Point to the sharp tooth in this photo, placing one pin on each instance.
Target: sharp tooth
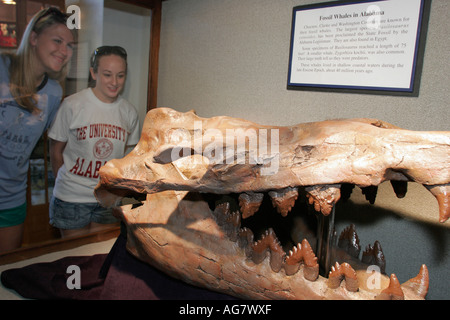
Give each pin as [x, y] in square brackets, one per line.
[234, 223]
[419, 284]
[284, 199]
[258, 252]
[221, 213]
[442, 194]
[229, 221]
[349, 241]
[400, 188]
[373, 255]
[302, 253]
[292, 263]
[245, 240]
[346, 191]
[311, 270]
[343, 272]
[370, 193]
[324, 197]
[249, 203]
[269, 242]
[236, 219]
[393, 291]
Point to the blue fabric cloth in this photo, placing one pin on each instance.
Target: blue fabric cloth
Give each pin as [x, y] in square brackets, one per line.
[20, 130]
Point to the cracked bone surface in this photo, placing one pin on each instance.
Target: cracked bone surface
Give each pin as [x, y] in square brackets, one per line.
[181, 156]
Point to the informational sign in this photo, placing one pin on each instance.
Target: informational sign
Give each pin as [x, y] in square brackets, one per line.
[361, 46]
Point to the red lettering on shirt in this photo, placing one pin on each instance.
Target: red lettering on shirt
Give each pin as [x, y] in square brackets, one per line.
[98, 164]
[81, 133]
[75, 167]
[104, 130]
[79, 164]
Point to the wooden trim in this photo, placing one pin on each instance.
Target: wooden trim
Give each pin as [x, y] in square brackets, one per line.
[58, 245]
[149, 4]
[156, 7]
[21, 20]
[153, 63]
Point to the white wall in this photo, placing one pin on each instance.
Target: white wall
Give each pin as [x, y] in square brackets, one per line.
[129, 27]
[89, 37]
[230, 57]
[110, 22]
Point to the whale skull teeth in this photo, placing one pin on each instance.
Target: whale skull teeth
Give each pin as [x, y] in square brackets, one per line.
[207, 189]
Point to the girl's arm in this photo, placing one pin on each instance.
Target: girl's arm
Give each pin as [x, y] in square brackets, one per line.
[56, 155]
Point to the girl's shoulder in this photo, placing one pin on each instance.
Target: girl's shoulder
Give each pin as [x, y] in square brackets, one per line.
[80, 96]
[5, 58]
[53, 87]
[125, 104]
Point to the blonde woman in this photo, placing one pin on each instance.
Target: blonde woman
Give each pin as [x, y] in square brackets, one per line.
[30, 96]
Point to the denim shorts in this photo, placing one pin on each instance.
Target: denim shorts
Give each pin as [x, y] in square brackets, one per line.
[73, 215]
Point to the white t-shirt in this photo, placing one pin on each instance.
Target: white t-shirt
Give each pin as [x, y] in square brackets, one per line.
[95, 132]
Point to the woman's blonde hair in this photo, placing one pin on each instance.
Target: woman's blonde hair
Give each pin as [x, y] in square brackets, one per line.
[22, 84]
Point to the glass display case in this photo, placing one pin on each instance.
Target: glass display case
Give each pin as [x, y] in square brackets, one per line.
[14, 17]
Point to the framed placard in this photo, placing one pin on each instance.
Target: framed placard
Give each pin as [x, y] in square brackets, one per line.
[373, 47]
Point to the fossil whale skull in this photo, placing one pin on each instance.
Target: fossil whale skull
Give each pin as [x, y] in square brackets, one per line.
[201, 179]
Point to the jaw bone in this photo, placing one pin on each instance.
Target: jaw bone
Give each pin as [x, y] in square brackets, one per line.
[180, 154]
[319, 155]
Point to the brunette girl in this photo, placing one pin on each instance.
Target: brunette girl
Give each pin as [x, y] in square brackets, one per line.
[92, 126]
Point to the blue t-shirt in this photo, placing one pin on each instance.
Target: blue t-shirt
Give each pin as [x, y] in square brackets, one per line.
[20, 130]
